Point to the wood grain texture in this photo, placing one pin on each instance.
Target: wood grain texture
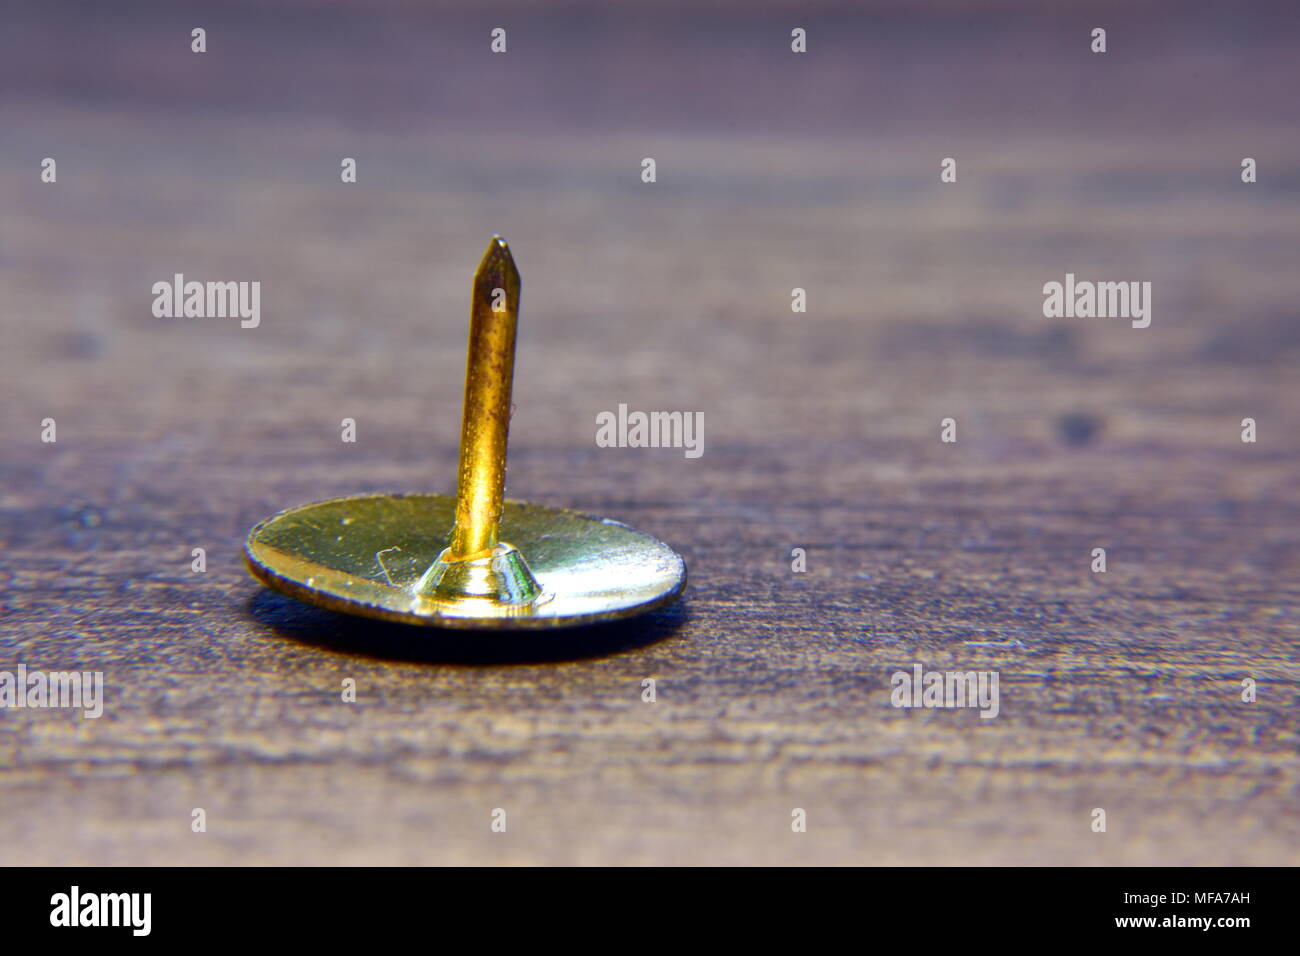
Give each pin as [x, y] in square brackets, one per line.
[1119, 691]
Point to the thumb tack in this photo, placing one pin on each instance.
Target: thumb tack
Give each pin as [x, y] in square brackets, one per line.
[475, 560]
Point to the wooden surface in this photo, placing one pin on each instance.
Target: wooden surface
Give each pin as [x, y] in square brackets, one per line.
[1119, 691]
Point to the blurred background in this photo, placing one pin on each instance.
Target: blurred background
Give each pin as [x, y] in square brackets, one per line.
[775, 170]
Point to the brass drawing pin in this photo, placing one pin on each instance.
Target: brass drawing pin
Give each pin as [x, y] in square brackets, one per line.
[476, 560]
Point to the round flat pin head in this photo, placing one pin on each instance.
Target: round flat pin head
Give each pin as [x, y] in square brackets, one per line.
[382, 556]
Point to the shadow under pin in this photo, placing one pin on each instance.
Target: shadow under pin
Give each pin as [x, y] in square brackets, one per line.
[476, 560]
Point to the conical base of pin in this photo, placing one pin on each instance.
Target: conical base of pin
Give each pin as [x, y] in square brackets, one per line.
[382, 556]
[500, 582]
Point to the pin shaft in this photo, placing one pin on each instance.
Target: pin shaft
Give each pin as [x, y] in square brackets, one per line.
[485, 421]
